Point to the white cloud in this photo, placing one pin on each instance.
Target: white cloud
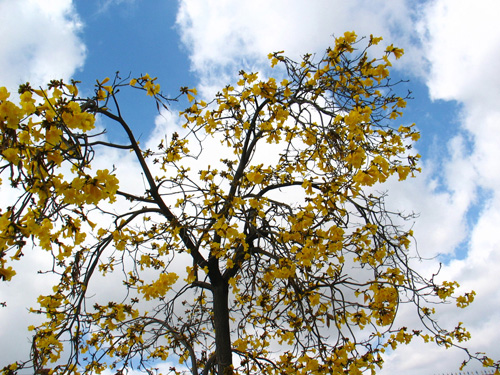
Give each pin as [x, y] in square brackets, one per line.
[20, 294]
[225, 36]
[461, 43]
[42, 42]
[476, 272]
[461, 38]
[104, 5]
[221, 32]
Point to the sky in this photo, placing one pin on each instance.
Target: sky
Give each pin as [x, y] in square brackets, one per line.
[452, 49]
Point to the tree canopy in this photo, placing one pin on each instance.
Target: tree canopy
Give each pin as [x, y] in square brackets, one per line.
[270, 254]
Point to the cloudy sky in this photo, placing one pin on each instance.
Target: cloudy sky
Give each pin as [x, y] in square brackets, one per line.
[452, 52]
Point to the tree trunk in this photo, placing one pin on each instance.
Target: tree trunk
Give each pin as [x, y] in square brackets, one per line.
[222, 332]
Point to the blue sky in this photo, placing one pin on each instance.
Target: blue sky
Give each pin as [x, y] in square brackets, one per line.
[452, 53]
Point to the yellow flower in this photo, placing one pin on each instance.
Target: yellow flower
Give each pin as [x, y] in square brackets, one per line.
[240, 345]
[24, 137]
[160, 287]
[53, 135]
[55, 157]
[398, 52]
[255, 177]
[350, 37]
[101, 95]
[151, 88]
[403, 172]
[314, 299]
[12, 155]
[4, 94]
[4, 221]
[27, 102]
[375, 40]
[356, 158]
[7, 273]
[73, 90]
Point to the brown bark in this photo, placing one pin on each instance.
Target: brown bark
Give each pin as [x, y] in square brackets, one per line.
[222, 330]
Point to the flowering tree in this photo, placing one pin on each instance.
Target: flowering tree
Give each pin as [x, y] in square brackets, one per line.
[284, 262]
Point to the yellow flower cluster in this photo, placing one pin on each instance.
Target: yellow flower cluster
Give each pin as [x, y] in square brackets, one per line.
[147, 83]
[159, 287]
[40, 142]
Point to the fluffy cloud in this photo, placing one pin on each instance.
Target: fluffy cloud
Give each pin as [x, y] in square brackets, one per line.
[104, 5]
[224, 36]
[462, 42]
[43, 41]
[462, 48]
